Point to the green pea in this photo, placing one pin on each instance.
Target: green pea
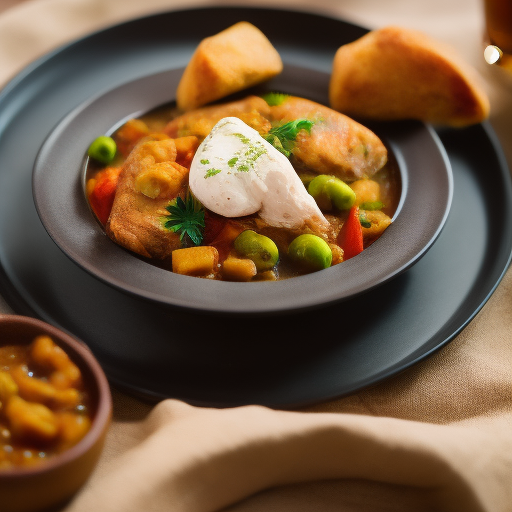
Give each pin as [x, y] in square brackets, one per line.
[330, 193]
[310, 252]
[103, 149]
[259, 248]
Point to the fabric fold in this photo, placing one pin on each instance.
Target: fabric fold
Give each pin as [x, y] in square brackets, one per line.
[201, 460]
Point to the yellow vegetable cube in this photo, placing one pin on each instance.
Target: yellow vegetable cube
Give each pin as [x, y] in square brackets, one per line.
[238, 269]
[195, 261]
[378, 221]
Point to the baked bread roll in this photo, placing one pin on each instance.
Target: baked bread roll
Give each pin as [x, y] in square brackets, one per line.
[234, 59]
[394, 73]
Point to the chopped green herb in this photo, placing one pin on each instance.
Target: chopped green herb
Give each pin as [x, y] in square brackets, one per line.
[274, 99]
[204, 161]
[274, 140]
[364, 221]
[211, 172]
[283, 137]
[245, 158]
[371, 205]
[242, 137]
[186, 218]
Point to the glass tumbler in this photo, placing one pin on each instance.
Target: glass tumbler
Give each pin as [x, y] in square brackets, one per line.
[498, 28]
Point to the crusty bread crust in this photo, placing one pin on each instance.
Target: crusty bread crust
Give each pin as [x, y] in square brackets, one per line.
[230, 61]
[395, 73]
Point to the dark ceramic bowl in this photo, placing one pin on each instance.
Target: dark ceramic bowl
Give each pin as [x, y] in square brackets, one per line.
[58, 188]
[55, 480]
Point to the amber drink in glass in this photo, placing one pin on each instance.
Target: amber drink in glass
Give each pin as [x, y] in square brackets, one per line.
[498, 26]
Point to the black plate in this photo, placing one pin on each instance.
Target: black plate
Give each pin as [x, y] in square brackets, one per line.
[58, 187]
[209, 359]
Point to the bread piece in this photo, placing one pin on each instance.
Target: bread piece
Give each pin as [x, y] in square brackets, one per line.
[234, 59]
[394, 73]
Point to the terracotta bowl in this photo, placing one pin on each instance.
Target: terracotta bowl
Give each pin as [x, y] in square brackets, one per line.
[55, 480]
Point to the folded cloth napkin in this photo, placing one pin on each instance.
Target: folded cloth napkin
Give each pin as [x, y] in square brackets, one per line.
[434, 438]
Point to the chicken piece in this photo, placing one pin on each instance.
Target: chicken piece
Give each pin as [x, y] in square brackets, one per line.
[136, 218]
[253, 110]
[394, 73]
[337, 145]
[234, 59]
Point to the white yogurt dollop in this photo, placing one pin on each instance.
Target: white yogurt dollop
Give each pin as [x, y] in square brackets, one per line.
[235, 172]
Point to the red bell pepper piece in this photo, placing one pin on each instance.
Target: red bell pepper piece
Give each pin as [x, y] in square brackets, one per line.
[102, 195]
[350, 237]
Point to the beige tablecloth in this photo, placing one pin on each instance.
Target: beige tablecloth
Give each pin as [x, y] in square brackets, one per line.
[436, 437]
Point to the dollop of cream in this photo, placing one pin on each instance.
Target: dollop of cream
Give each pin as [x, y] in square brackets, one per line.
[235, 172]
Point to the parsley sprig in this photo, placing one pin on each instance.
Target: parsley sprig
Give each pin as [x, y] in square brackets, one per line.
[186, 218]
[283, 137]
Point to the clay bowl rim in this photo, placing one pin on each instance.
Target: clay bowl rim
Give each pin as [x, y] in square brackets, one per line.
[103, 413]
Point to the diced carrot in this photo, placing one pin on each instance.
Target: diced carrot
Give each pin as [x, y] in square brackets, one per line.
[101, 198]
[350, 237]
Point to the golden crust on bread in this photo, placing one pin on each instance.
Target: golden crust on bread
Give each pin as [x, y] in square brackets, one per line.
[395, 73]
[230, 61]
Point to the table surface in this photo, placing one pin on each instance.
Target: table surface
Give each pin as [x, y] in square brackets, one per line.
[445, 412]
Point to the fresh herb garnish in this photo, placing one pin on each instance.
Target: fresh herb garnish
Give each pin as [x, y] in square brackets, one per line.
[186, 218]
[363, 220]
[274, 99]
[283, 137]
[371, 205]
[211, 172]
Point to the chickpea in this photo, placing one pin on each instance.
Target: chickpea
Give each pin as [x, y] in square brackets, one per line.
[31, 420]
